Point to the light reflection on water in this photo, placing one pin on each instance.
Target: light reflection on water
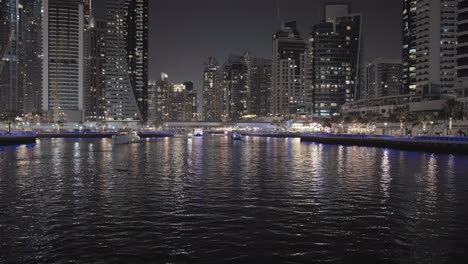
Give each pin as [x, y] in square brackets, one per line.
[215, 200]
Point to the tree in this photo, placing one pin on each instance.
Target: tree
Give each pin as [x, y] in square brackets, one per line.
[373, 117]
[401, 114]
[453, 110]
[353, 117]
[422, 119]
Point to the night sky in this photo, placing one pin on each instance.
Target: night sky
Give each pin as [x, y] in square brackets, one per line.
[183, 33]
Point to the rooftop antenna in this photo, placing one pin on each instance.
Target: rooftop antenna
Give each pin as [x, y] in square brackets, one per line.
[278, 14]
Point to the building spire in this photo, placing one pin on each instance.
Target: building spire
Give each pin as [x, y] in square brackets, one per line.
[278, 14]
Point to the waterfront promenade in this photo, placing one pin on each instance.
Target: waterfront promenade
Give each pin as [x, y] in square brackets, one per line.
[455, 145]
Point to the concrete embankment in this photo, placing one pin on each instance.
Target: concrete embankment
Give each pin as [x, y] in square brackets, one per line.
[15, 139]
[455, 145]
[143, 134]
[156, 134]
[271, 134]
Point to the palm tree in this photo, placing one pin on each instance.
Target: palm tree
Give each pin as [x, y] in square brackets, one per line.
[422, 119]
[401, 114]
[373, 117]
[353, 117]
[453, 110]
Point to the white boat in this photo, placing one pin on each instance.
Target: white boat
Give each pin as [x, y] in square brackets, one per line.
[126, 137]
[236, 136]
[198, 133]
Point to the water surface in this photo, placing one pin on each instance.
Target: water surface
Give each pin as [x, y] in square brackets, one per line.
[213, 200]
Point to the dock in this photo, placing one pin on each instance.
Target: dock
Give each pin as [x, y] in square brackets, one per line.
[433, 144]
[18, 138]
[271, 134]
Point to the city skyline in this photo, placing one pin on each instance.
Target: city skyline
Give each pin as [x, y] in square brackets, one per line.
[184, 47]
[233, 131]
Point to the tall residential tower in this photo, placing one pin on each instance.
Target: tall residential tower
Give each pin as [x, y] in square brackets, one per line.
[10, 93]
[336, 59]
[429, 46]
[213, 93]
[462, 49]
[289, 53]
[62, 40]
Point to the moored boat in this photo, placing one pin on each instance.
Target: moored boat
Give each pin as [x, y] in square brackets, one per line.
[198, 133]
[126, 136]
[236, 136]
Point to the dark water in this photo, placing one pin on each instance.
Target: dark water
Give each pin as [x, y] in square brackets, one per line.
[212, 200]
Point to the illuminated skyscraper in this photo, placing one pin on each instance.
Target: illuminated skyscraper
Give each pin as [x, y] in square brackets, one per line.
[213, 93]
[259, 91]
[10, 93]
[289, 53]
[383, 78]
[126, 60]
[236, 84]
[31, 56]
[462, 49]
[336, 59]
[429, 46]
[95, 60]
[63, 41]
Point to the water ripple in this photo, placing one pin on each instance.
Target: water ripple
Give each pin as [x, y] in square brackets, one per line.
[211, 200]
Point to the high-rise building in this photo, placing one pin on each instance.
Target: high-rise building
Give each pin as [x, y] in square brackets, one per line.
[335, 45]
[429, 46]
[177, 102]
[289, 55]
[30, 58]
[10, 92]
[126, 64]
[137, 52]
[95, 60]
[383, 78]
[152, 108]
[236, 87]
[191, 103]
[162, 98]
[259, 74]
[462, 49]
[116, 60]
[62, 40]
[213, 93]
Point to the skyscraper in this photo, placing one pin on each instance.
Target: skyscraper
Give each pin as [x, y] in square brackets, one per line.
[191, 103]
[31, 56]
[429, 46]
[10, 93]
[162, 98]
[289, 53]
[336, 59]
[462, 49]
[137, 52]
[63, 41]
[259, 92]
[126, 60]
[236, 87]
[213, 94]
[383, 78]
[152, 109]
[95, 60]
